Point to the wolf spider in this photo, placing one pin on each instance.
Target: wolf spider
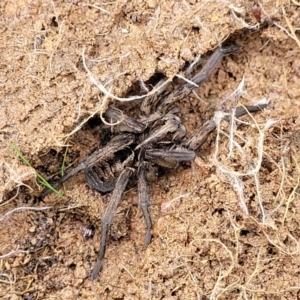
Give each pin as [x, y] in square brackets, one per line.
[155, 140]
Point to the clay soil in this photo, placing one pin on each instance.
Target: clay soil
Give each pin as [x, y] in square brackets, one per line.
[229, 228]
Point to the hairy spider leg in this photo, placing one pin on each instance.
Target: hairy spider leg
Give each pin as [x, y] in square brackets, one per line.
[101, 155]
[144, 200]
[209, 126]
[208, 68]
[109, 215]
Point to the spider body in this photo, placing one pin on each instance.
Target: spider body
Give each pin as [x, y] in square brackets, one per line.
[139, 147]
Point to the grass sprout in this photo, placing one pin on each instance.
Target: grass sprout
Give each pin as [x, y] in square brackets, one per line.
[43, 181]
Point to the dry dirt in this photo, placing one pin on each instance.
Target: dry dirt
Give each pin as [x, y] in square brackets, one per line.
[205, 244]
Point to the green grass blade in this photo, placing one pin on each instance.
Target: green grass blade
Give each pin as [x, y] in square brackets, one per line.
[43, 181]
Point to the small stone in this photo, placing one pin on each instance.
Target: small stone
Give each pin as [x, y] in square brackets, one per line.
[33, 241]
[32, 229]
[7, 266]
[214, 18]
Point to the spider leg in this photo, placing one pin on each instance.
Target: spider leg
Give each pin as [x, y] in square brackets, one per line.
[198, 79]
[144, 200]
[197, 140]
[149, 103]
[169, 158]
[109, 215]
[162, 101]
[125, 123]
[176, 154]
[101, 155]
[209, 126]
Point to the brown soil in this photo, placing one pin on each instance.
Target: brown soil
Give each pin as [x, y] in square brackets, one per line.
[205, 245]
